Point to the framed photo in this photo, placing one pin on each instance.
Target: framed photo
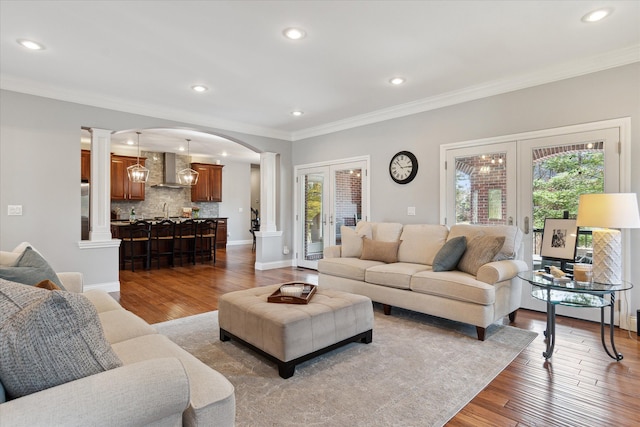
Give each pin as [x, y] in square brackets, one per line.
[559, 239]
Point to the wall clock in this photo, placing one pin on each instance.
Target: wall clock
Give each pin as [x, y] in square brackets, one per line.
[403, 167]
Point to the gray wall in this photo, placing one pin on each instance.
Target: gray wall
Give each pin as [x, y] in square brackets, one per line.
[40, 169]
[594, 97]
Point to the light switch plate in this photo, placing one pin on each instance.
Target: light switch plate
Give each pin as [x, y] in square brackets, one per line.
[14, 210]
[411, 210]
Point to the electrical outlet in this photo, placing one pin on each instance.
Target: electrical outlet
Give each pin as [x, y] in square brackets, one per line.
[14, 210]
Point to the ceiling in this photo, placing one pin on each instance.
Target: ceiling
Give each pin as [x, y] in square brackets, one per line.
[143, 57]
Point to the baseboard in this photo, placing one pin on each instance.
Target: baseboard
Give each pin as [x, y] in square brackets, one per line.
[274, 265]
[107, 287]
[239, 242]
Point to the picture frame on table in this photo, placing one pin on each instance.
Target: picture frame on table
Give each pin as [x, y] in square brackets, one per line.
[559, 239]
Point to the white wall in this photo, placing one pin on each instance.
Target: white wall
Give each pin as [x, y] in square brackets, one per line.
[594, 97]
[40, 169]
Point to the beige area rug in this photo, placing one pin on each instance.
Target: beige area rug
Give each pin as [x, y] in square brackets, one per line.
[418, 371]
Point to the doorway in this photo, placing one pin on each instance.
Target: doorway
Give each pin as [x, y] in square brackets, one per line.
[328, 197]
[522, 179]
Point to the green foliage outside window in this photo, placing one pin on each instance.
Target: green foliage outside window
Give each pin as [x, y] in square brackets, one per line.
[559, 181]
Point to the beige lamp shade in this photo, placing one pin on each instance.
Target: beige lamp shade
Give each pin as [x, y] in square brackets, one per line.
[607, 211]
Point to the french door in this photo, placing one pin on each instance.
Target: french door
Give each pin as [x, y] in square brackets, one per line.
[329, 196]
[520, 179]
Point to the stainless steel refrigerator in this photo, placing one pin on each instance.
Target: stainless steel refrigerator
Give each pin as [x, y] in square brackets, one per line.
[84, 209]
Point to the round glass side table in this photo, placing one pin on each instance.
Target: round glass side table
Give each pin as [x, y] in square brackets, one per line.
[575, 294]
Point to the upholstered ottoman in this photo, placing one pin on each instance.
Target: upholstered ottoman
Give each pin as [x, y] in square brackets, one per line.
[289, 334]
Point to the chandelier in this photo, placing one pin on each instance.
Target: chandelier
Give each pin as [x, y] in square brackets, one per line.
[188, 176]
[138, 173]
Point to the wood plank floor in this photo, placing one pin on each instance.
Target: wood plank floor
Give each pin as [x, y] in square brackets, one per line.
[579, 386]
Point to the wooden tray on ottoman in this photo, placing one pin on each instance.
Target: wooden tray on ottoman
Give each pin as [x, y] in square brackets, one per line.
[307, 293]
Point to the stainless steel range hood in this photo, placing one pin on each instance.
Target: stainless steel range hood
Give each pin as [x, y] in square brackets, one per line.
[170, 173]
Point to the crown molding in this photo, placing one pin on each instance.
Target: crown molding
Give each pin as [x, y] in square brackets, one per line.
[14, 84]
[555, 73]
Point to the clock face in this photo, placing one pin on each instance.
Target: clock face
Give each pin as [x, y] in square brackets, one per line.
[403, 167]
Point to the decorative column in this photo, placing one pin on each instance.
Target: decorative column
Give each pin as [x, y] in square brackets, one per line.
[268, 186]
[268, 239]
[100, 196]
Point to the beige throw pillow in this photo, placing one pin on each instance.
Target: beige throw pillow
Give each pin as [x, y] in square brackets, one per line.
[376, 250]
[480, 251]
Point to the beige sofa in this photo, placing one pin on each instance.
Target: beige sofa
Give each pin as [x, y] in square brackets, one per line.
[487, 291]
[159, 384]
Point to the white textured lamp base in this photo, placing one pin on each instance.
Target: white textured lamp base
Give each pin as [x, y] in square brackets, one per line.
[607, 256]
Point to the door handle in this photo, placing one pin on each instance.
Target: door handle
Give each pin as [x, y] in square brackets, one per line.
[526, 225]
[324, 219]
[330, 219]
[510, 220]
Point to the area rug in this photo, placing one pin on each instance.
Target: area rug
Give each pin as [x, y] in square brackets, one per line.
[418, 371]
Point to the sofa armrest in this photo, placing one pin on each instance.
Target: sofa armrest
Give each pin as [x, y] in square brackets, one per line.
[137, 394]
[499, 271]
[332, 251]
[72, 281]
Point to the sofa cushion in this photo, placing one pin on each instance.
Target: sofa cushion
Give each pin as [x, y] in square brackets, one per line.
[384, 231]
[352, 239]
[421, 242]
[449, 255]
[211, 395]
[455, 285]
[48, 338]
[395, 275]
[30, 268]
[122, 325]
[349, 268]
[512, 234]
[8, 259]
[102, 301]
[480, 250]
[375, 250]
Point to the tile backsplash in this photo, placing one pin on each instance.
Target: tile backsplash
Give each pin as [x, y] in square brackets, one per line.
[156, 197]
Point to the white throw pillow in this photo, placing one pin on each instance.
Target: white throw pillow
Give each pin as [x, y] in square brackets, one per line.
[352, 240]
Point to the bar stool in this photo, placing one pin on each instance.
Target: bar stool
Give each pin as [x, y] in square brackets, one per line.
[206, 239]
[136, 240]
[162, 240]
[185, 241]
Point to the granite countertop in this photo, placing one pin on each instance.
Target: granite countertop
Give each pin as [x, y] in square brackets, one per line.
[155, 221]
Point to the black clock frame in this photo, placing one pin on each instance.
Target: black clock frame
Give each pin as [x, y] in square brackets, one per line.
[414, 171]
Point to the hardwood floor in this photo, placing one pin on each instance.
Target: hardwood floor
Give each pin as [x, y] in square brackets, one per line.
[579, 386]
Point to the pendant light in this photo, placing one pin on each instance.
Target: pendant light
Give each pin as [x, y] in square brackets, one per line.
[138, 173]
[188, 176]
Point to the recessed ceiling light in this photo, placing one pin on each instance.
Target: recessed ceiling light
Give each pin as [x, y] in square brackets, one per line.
[30, 44]
[294, 33]
[297, 113]
[130, 142]
[397, 81]
[199, 88]
[181, 148]
[597, 15]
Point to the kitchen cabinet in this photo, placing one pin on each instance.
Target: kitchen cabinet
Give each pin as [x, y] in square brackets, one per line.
[121, 187]
[209, 186]
[85, 165]
[221, 233]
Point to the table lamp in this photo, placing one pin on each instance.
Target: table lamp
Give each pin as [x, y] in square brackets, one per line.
[608, 211]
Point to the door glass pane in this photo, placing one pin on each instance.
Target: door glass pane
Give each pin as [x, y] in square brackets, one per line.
[481, 189]
[347, 199]
[560, 174]
[313, 214]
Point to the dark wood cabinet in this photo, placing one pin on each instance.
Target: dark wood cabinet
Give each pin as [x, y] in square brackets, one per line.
[209, 186]
[121, 187]
[85, 165]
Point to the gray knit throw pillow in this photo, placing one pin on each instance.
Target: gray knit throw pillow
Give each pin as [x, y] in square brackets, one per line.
[48, 338]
